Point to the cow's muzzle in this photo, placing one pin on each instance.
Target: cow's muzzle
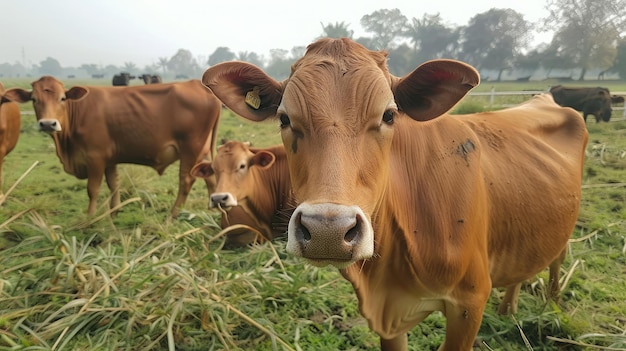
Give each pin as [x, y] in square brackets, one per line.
[223, 200]
[330, 234]
[49, 125]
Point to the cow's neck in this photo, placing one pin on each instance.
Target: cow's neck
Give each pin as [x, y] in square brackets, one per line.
[72, 157]
[417, 234]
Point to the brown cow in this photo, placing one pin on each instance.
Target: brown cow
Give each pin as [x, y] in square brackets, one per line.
[254, 184]
[10, 121]
[590, 101]
[96, 128]
[420, 210]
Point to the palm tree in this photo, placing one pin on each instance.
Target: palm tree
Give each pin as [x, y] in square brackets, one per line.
[337, 30]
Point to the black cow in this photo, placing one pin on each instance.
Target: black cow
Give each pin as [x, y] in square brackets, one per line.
[151, 78]
[122, 79]
[589, 101]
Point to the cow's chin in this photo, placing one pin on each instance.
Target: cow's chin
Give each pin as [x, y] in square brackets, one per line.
[323, 263]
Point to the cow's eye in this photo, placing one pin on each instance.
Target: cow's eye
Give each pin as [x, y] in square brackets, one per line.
[63, 98]
[284, 120]
[242, 166]
[388, 116]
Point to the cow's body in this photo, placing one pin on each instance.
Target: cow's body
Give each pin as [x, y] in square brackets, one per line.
[151, 78]
[10, 121]
[419, 216]
[122, 79]
[254, 184]
[96, 128]
[589, 101]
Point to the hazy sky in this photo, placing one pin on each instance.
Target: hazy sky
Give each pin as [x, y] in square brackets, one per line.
[141, 31]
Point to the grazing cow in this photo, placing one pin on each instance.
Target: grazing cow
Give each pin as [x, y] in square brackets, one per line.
[122, 79]
[151, 79]
[420, 210]
[256, 181]
[617, 99]
[589, 101]
[9, 128]
[96, 128]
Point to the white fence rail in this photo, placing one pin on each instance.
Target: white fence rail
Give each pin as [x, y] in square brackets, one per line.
[493, 94]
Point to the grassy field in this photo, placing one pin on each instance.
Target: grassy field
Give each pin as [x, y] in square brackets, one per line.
[143, 281]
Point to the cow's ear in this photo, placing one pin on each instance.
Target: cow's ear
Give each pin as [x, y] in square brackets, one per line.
[263, 159]
[76, 93]
[18, 95]
[203, 169]
[245, 89]
[434, 88]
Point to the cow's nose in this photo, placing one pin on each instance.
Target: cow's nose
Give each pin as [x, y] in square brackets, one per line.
[223, 200]
[49, 125]
[328, 237]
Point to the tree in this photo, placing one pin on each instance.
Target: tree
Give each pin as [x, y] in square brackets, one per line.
[587, 30]
[163, 63]
[619, 65]
[90, 68]
[50, 66]
[130, 67]
[386, 25]
[183, 63]
[251, 57]
[221, 54]
[337, 30]
[279, 66]
[431, 38]
[493, 39]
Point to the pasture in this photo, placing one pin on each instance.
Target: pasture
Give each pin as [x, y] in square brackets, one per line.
[143, 281]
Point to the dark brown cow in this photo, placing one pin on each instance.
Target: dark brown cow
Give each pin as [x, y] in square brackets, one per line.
[420, 210]
[589, 101]
[122, 79]
[255, 181]
[10, 121]
[96, 128]
[151, 78]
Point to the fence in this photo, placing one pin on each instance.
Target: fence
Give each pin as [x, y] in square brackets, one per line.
[493, 94]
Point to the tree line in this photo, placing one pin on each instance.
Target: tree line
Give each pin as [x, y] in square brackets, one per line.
[588, 35]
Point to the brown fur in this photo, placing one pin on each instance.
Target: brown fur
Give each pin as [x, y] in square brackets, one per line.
[10, 121]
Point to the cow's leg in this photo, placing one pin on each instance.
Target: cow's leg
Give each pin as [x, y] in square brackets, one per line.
[94, 181]
[1, 183]
[509, 302]
[185, 181]
[585, 114]
[114, 186]
[554, 288]
[399, 343]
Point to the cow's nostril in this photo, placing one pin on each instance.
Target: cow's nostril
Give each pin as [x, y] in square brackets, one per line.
[352, 234]
[303, 233]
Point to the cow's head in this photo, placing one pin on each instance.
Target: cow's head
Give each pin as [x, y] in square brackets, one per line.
[49, 101]
[232, 166]
[336, 114]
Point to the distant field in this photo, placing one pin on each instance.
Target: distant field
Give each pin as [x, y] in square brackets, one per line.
[142, 281]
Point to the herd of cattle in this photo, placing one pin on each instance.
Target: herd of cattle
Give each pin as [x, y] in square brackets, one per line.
[124, 78]
[421, 210]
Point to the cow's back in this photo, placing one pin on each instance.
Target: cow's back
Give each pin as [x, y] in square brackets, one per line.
[148, 123]
[532, 158]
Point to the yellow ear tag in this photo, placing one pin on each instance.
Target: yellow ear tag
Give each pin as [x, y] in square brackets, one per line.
[252, 98]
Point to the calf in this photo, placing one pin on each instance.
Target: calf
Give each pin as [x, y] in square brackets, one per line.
[254, 185]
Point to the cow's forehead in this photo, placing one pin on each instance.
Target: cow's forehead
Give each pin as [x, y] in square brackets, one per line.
[47, 84]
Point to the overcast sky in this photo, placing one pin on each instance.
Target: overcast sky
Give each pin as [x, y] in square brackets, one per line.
[105, 32]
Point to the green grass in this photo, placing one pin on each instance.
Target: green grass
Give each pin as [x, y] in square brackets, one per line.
[141, 281]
